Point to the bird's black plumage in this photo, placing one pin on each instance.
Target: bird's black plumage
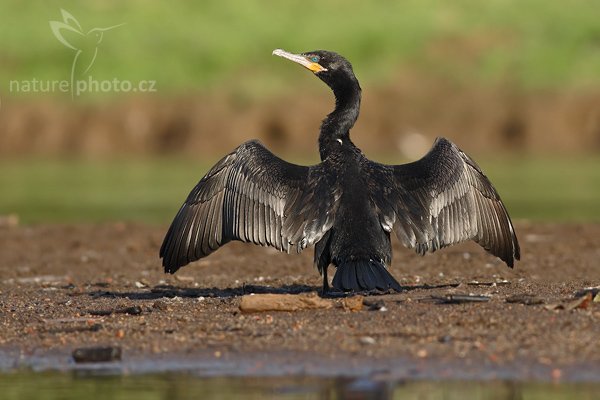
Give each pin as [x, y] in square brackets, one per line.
[347, 205]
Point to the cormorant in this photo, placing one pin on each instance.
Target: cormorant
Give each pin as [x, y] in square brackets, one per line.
[346, 205]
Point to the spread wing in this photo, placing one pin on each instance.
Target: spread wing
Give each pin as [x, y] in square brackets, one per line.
[442, 199]
[252, 196]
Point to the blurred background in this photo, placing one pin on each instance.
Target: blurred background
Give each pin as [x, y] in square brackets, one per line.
[113, 110]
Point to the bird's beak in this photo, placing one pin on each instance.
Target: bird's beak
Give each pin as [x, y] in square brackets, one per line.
[300, 59]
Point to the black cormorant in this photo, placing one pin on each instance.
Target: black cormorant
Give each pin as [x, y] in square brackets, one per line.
[347, 205]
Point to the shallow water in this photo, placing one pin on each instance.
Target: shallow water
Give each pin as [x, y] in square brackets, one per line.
[181, 386]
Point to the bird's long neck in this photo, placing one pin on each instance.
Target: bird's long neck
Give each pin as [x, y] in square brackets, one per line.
[336, 126]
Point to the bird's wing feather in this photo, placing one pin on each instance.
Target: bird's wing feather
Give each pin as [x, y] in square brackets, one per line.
[252, 196]
[442, 199]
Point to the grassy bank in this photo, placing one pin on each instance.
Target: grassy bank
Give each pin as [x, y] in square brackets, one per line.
[197, 45]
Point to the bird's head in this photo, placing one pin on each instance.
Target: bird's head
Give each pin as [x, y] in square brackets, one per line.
[330, 67]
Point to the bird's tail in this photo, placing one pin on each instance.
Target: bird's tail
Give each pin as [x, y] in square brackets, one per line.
[369, 274]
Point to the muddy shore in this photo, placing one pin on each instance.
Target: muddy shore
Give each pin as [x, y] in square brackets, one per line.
[68, 286]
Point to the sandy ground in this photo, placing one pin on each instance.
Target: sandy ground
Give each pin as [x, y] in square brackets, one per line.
[64, 287]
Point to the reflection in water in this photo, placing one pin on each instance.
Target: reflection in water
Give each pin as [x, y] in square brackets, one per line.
[182, 386]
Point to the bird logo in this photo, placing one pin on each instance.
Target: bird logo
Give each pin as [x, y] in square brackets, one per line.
[70, 33]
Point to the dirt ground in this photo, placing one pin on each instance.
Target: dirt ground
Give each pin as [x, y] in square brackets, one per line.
[69, 286]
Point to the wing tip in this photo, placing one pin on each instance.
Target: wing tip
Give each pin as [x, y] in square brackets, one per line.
[510, 262]
[170, 269]
[514, 256]
[170, 261]
[517, 250]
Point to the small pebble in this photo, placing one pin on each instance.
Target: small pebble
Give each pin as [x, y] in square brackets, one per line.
[97, 354]
[367, 340]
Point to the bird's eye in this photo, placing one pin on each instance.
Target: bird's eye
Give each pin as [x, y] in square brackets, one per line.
[315, 58]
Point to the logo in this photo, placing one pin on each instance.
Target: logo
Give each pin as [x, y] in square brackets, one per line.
[70, 33]
[86, 47]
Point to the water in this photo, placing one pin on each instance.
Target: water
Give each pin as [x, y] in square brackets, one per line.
[25, 385]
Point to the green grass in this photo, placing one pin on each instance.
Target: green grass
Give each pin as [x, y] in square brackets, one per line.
[152, 191]
[202, 45]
